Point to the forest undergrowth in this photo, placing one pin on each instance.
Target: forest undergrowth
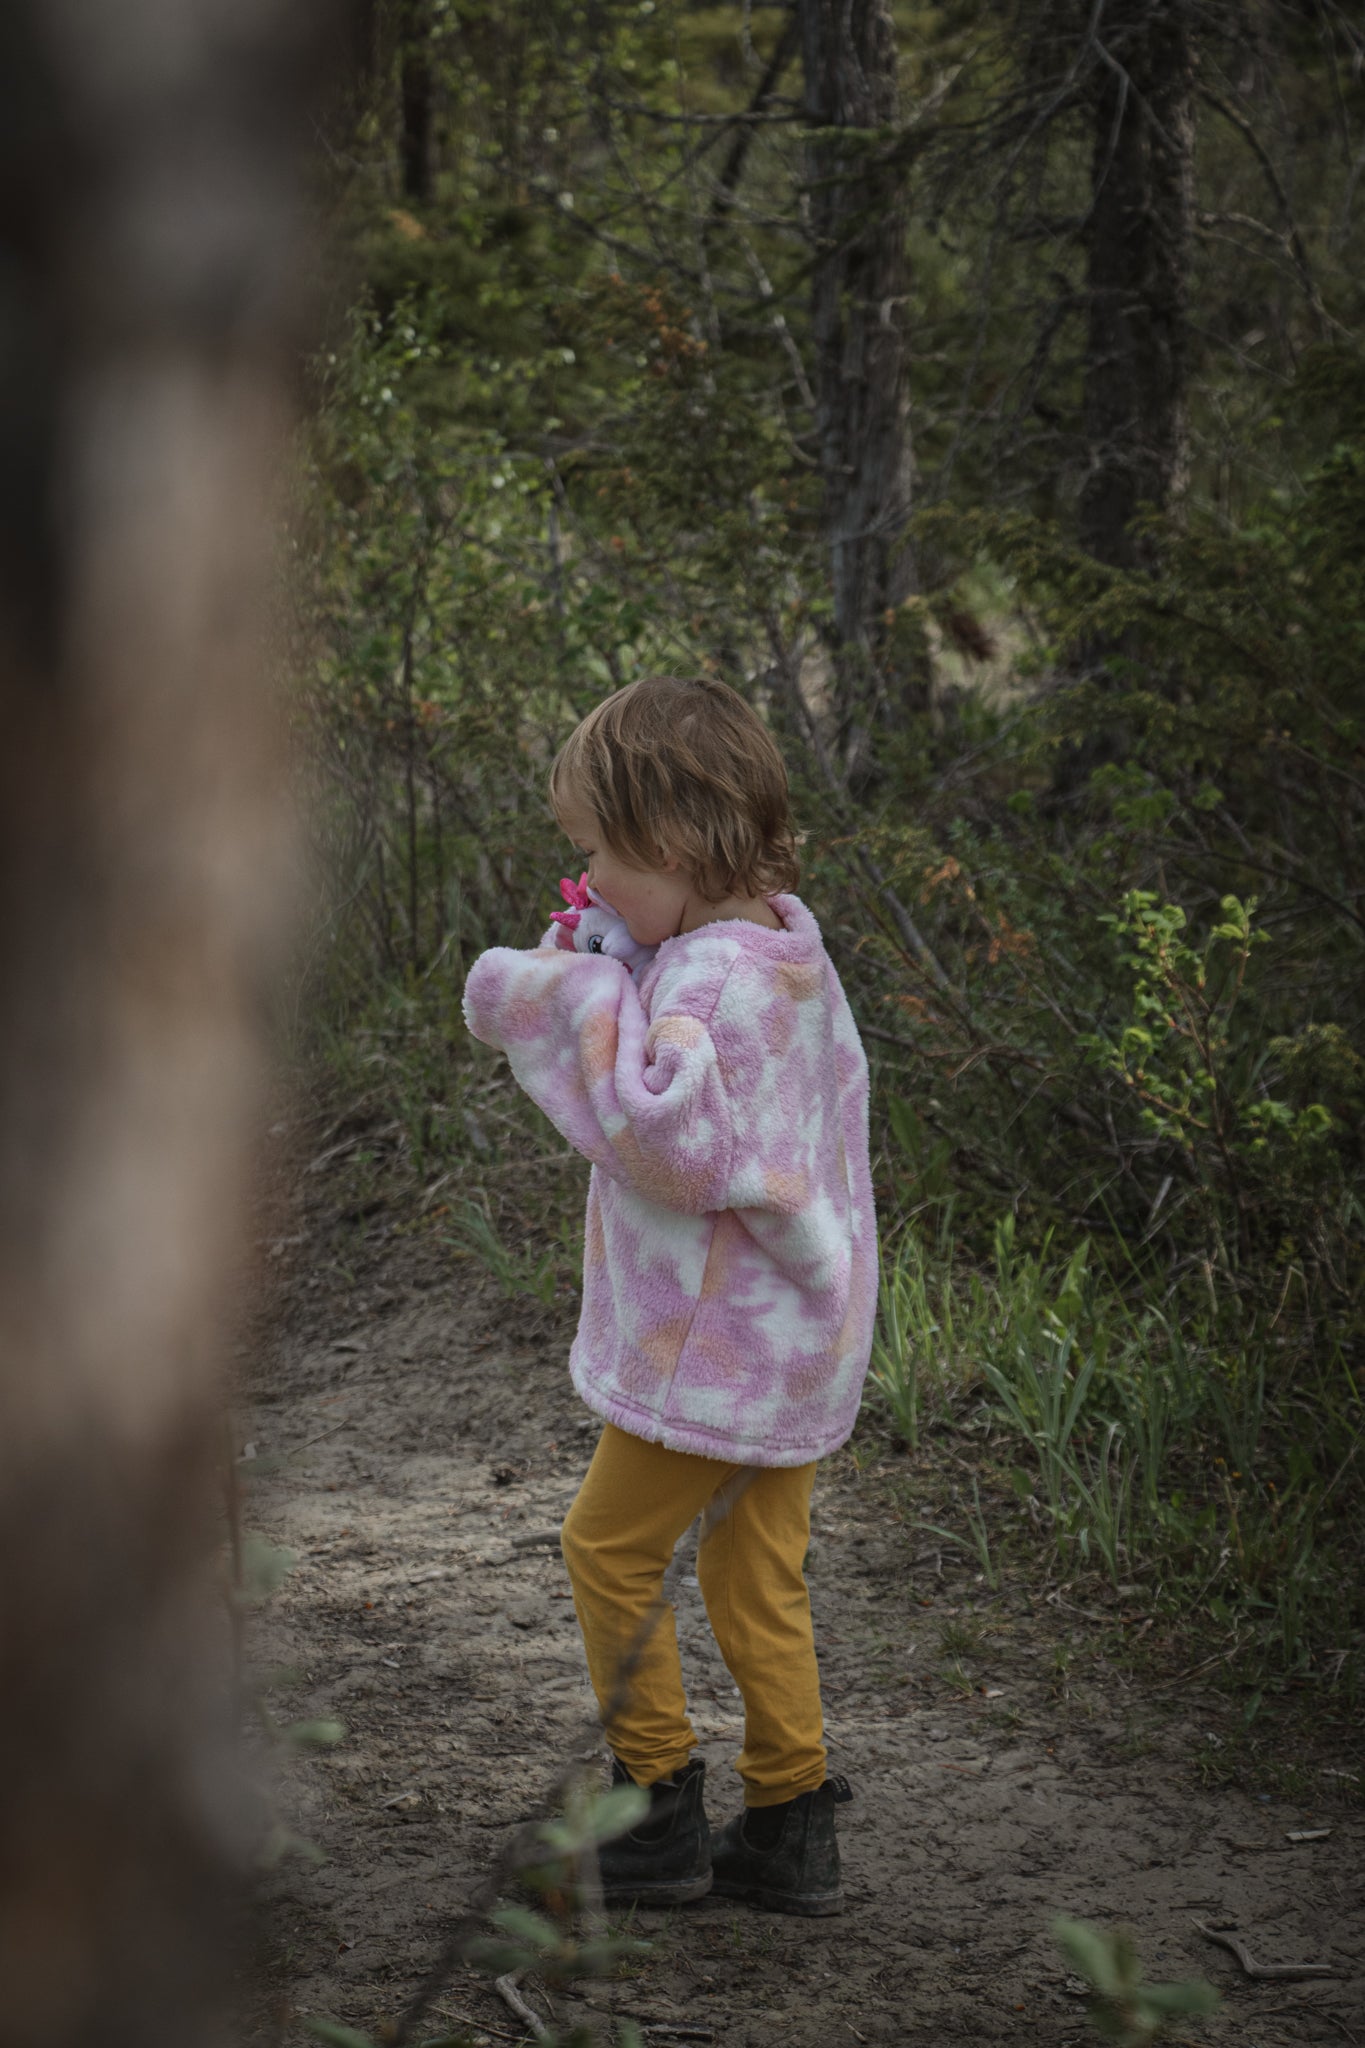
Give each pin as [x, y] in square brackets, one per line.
[1005, 1723]
[1060, 1425]
[1092, 874]
[1115, 1037]
[1119, 1180]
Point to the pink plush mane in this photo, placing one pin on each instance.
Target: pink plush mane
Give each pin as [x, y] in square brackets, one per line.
[576, 895]
[591, 926]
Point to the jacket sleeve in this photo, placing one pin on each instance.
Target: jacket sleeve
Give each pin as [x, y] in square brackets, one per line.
[644, 1100]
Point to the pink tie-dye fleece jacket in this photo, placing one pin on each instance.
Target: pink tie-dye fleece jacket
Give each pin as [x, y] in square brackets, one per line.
[730, 1269]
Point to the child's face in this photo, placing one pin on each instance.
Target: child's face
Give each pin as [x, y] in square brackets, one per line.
[652, 901]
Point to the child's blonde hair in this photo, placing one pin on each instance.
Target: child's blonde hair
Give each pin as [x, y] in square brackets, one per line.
[684, 769]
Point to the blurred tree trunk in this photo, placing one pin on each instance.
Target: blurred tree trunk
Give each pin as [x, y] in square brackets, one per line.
[860, 321]
[149, 224]
[1137, 291]
[416, 97]
[1138, 242]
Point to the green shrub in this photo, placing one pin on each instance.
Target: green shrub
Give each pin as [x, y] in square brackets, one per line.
[1102, 932]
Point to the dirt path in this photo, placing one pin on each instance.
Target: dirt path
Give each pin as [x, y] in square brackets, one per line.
[1003, 1772]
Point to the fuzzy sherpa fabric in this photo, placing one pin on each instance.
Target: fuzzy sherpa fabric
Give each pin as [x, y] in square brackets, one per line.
[730, 1269]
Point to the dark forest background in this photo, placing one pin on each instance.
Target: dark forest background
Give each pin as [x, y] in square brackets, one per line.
[980, 390]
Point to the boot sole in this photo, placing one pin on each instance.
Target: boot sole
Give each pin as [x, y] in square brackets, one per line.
[649, 1895]
[812, 1905]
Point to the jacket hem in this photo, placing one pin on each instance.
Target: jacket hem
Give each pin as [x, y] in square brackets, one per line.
[695, 1438]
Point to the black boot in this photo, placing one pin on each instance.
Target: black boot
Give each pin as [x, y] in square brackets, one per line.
[785, 1858]
[665, 1860]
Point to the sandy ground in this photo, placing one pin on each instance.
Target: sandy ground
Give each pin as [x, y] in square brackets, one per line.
[415, 1443]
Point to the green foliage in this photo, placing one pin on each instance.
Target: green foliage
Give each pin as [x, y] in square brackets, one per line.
[1145, 1442]
[540, 1274]
[315, 1734]
[259, 1569]
[915, 1338]
[468, 597]
[979, 1540]
[1098, 910]
[1153, 1020]
[1123, 2008]
[555, 1862]
[264, 1566]
[337, 2036]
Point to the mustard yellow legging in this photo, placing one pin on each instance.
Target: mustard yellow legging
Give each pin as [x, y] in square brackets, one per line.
[618, 1537]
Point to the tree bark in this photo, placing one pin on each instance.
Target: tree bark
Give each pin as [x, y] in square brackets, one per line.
[417, 108]
[1138, 240]
[149, 215]
[860, 321]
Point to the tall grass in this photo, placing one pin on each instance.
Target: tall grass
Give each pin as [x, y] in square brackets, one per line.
[915, 1352]
[1172, 1442]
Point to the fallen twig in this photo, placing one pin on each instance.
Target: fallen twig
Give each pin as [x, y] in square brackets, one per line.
[1270, 1972]
[506, 1988]
[321, 1436]
[467, 2019]
[351, 1144]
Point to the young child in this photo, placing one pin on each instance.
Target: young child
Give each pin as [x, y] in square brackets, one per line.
[730, 1271]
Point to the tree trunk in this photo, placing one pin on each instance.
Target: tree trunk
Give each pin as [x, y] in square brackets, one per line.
[148, 224]
[416, 97]
[1138, 254]
[860, 320]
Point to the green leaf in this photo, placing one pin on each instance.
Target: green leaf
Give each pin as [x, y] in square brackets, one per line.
[265, 1567]
[315, 1734]
[600, 1819]
[1091, 1953]
[336, 2035]
[529, 1927]
[281, 1842]
[594, 1958]
[1194, 1996]
[495, 1956]
[905, 1125]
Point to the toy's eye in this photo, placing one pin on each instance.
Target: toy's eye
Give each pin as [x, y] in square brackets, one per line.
[595, 943]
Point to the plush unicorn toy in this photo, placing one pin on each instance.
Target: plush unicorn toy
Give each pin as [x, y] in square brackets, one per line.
[591, 926]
